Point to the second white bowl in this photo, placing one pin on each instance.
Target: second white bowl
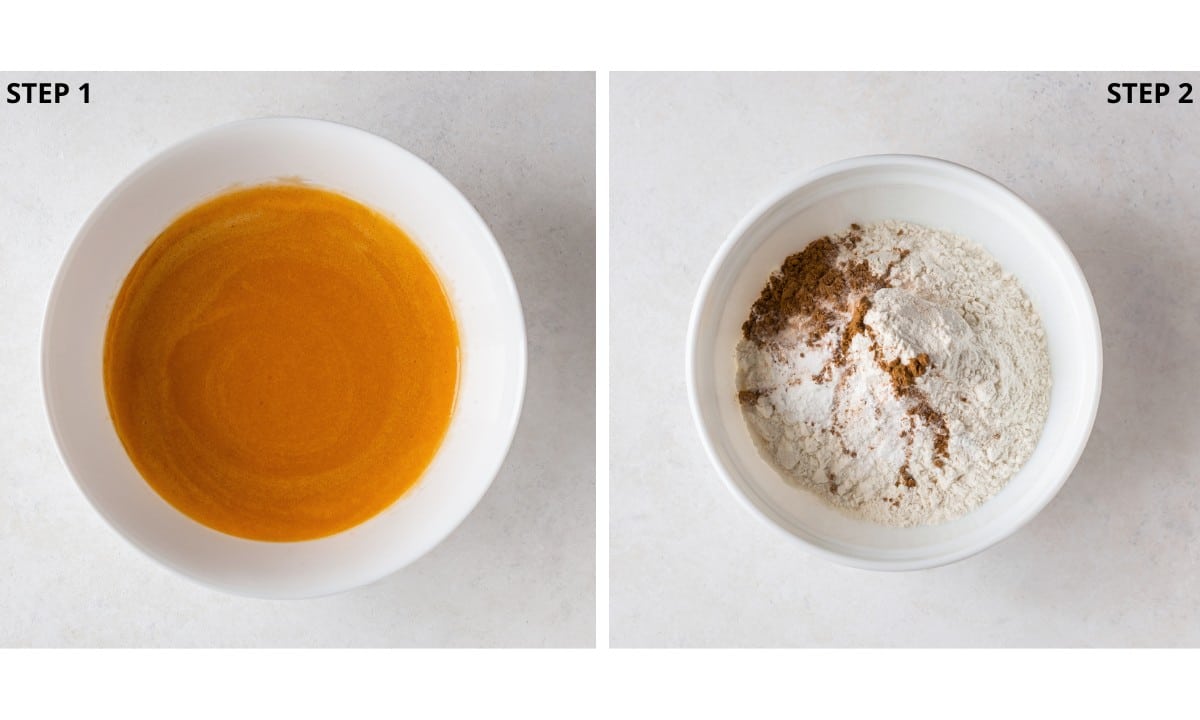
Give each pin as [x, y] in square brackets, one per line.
[928, 192]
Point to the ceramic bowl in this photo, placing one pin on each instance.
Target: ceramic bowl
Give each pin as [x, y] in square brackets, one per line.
[376, 173]
[929, 192]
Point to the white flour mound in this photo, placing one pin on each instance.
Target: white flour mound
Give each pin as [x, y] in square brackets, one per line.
[853, 439]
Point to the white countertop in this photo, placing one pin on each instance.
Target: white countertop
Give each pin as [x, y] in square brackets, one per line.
[520, 571]
[1112, 561]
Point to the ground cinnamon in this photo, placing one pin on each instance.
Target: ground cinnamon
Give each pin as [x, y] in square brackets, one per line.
[904, 374]
[812, 288]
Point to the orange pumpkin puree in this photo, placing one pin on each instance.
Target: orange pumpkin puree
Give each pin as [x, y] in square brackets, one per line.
[281, 363]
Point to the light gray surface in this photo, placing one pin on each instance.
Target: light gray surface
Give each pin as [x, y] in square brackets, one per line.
[520, 571]
[1111, 562]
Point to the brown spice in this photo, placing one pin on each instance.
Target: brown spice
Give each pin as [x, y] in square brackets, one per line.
[812, 287]
[856, 326]
[749, 397]
[935, 421]
[807, 281]
[905, 374]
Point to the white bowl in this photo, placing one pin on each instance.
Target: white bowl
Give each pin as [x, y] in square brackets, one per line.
[929, 192]
[376, 173]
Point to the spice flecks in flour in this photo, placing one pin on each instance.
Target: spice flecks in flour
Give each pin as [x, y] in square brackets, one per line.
[895, 370]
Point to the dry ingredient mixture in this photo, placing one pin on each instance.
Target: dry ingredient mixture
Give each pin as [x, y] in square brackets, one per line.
[895, 370]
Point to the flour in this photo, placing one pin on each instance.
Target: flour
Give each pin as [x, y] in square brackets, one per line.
[909, 398]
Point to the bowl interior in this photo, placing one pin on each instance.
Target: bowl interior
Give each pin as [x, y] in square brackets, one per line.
[376, 173]
[927, 192]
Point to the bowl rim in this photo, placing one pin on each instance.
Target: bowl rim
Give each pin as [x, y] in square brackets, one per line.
[782, 192]
[168, 154]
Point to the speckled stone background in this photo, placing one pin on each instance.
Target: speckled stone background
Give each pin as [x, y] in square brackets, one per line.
[520, 571]
[1113, 561]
